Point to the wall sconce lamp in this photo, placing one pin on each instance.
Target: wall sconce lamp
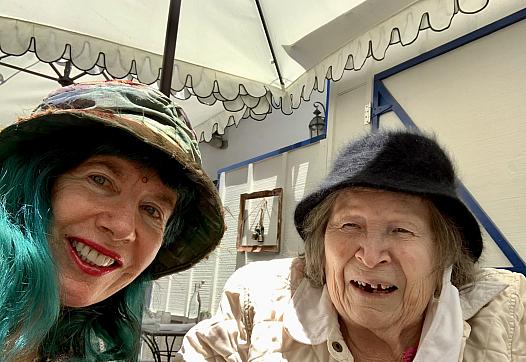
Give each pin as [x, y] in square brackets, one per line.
[317, 124]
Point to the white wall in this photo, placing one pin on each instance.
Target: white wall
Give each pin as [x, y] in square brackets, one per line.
[472, 99]
[253, 138]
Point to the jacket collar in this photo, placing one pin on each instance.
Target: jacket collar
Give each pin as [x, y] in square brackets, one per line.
[443, 328]
[310, 315]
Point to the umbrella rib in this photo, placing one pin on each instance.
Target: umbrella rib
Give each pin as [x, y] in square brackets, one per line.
[269, 42]
[28, 71]
[55, 69]
[79, 75]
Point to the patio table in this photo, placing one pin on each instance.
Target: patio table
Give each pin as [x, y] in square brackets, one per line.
[150, 333]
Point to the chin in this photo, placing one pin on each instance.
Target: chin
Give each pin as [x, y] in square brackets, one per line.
[76, 302]
[78, 298]
[369, 319]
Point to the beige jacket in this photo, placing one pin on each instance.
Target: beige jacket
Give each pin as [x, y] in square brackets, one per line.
[268, 312]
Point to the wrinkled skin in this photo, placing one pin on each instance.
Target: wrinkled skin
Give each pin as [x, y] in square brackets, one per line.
[380, 237]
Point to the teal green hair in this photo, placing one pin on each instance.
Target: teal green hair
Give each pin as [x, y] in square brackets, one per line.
[29, 294]
[31, 316]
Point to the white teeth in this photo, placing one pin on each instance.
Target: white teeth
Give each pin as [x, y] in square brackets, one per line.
[101, 259]
[378, 286]
[91, 256]
[87, 252]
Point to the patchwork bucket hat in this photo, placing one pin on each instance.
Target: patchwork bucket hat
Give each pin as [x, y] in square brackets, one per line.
[399, 161]
[142, 112]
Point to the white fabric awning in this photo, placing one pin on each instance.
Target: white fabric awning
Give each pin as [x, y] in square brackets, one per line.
[222, 53]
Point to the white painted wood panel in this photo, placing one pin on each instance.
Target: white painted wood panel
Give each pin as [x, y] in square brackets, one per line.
[473, 99]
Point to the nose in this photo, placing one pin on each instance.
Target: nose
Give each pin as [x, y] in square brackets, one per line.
[373, 251]
[118, 221]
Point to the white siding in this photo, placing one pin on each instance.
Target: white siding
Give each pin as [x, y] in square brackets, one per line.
[473, 99]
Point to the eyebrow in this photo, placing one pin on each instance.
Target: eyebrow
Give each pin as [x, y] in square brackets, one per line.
[109, 165]
[168, 201]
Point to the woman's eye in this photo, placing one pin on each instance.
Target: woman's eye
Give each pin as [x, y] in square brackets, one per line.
[98, 179]
[152, 211]
[350, 226]
[402, 231]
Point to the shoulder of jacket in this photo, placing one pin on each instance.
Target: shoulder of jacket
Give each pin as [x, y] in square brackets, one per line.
[497, 324]
[259, 274]
[492, 290]
[516, 281]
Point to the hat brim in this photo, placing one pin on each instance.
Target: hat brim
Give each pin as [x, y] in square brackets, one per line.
[201, 234]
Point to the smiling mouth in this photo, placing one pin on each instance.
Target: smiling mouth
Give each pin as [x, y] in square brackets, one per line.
[374, 288]
[91, 256]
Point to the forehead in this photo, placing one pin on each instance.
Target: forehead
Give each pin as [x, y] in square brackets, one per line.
[130, 171]
[119, 165]
[380, 202]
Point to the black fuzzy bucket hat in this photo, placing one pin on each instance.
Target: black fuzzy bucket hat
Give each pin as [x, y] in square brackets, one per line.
[144, 113]
[399, 161]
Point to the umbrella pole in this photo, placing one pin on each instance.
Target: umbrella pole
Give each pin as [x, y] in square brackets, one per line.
[170, 42]
[269, 42]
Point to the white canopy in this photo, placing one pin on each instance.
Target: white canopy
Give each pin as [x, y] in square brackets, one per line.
[222, 52]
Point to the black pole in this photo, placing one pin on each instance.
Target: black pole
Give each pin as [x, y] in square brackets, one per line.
[267, 35]
[170, 42]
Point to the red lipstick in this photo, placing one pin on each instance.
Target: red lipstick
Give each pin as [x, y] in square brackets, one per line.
[93, 269]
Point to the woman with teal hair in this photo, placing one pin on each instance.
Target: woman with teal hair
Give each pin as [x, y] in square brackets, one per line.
[101, 192]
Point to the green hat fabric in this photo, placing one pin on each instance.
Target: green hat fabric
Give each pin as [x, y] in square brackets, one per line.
[152, 118]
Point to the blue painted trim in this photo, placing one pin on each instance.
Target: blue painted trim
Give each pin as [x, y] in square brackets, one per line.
[463, 40]
[327, 95]
[271, 154]
[387, 100]
[516, 270]
[383, 99]
[491, 228]
[375, 117]
[283, 149]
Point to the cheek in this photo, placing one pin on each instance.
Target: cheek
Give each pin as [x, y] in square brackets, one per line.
[417, 259]
[421, 277]
[58, 206]
[145, 254]
[67, 203]
[338, 254]
[418, 295]
[338, 249]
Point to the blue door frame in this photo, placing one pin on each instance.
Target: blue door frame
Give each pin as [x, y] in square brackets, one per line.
[383, 102]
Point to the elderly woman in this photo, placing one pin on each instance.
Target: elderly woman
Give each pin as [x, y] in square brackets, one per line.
[102, 192]
[389, 273]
